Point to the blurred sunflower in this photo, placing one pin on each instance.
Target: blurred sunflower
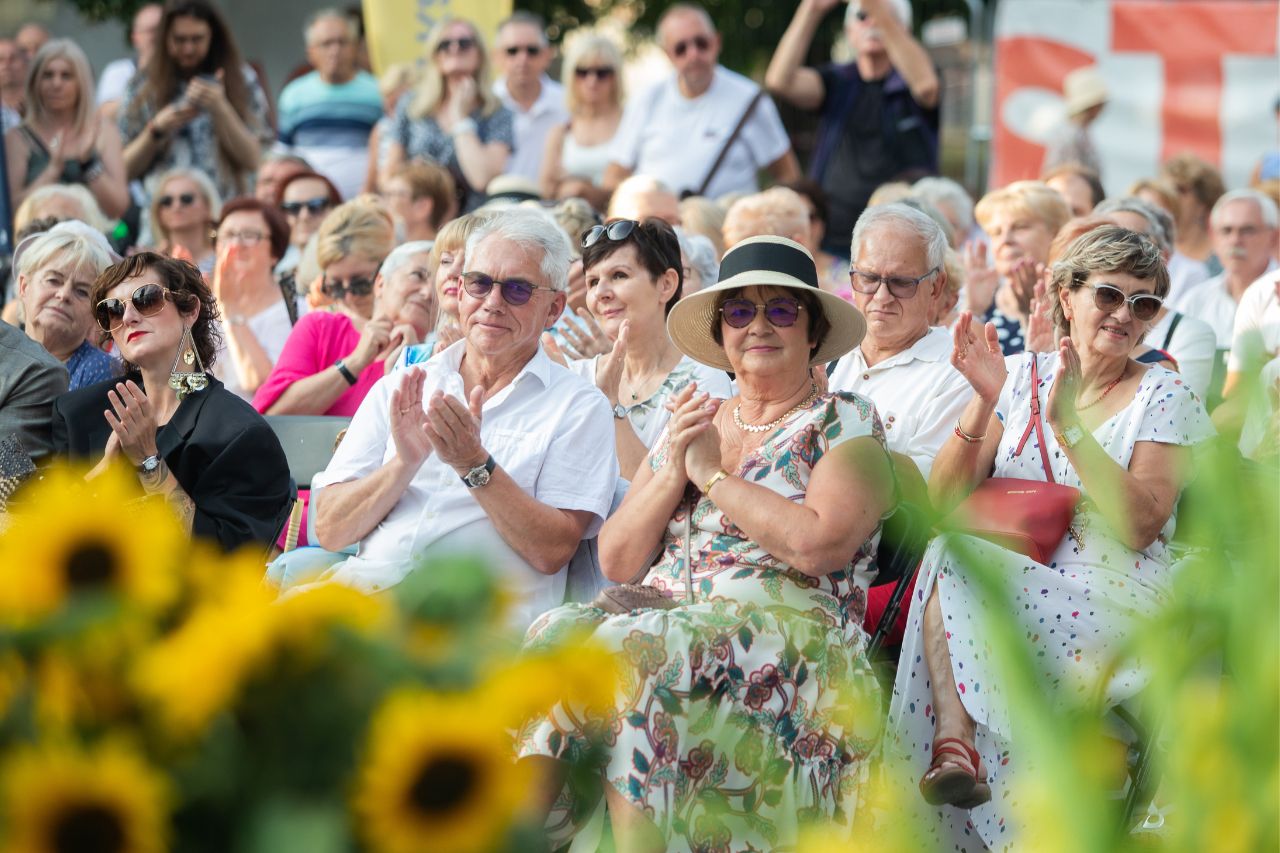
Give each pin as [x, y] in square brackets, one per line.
[581, 673]
[304, 618]
[58, 798]
[72, 539]
[438, 774]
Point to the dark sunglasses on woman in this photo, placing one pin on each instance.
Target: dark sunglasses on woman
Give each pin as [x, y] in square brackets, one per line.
[147, 301]
[603, 72]
[460, 44]
[515, 291]
[702, 43]
[183, 199]
[615, 231]
[779, 311]
[1143, 306]
[311, 205]
[334, 289]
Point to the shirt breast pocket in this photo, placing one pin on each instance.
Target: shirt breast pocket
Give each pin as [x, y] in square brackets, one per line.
[518, 453]
[900, 429]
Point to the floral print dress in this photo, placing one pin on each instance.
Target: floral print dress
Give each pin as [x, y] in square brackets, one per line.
[752, 708]
[1073, 610]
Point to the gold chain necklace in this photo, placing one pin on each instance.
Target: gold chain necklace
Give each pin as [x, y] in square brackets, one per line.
[746, 427]
[1105, 391]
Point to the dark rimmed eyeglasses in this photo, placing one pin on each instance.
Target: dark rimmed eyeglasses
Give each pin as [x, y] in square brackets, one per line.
[902, 287]
[1108, 299]
[530, 49]
[147, 301]
[616, 232]
[515, 291]
[603, 72]
[312, 205]
[460, 44]
[702, 43]
[738, 312]
[183, 199]
[335, 289]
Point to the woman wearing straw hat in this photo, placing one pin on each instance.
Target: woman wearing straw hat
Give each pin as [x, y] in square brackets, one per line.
[749, 703]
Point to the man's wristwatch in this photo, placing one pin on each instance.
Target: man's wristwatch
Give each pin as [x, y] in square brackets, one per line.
[479, 475]
[1071, 436]
[620, 411]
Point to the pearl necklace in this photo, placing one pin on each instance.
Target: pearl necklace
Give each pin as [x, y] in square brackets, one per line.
[746, 427]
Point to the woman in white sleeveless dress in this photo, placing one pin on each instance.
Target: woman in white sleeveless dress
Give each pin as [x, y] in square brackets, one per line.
[577, 152]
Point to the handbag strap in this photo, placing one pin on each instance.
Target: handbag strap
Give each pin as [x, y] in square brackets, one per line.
[1036, 422]
[733, 137]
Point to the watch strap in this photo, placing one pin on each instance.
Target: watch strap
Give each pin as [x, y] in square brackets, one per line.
[351, 378]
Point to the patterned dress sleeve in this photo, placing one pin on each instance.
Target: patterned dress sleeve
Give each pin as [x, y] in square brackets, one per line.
[133, 116]
[1174, 414]
[257, 120]
[499, 127]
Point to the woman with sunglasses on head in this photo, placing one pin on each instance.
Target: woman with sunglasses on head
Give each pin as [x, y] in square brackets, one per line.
[763, 512]
[190, 440]
[305, 199]
[633, 277]
[184, 208]
[1119, 431]
[332, 357]
[258, 308]
[578, 152]
[452, 116]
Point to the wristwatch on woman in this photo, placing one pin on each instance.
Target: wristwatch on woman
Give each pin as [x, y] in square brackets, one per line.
[1070, 436]
[149, 471]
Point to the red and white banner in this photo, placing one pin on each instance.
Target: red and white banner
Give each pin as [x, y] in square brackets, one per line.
[1183, 75]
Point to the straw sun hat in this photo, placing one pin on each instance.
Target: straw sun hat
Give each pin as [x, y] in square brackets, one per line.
[767, 261]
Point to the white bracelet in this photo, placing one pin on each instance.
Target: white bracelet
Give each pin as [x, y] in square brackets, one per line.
[467, 125]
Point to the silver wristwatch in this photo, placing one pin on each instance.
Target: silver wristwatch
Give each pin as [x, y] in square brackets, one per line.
[479, 475]
[620, 411]
[149, 466]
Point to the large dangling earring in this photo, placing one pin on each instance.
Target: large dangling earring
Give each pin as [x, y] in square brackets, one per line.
[184, 382]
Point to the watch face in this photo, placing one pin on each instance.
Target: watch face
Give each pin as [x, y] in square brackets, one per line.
[478, 477]
[619, 411]
[150, 464]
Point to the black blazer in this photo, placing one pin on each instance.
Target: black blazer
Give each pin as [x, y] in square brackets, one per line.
[222, 452]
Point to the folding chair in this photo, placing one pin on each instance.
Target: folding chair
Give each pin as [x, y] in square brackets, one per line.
[308, 442]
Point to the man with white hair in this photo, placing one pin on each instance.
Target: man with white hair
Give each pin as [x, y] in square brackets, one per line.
[1245, 227]
[326, 116]
[522, 55]
[878, 114]
[490, 447]
[705, 130]
[640, 197]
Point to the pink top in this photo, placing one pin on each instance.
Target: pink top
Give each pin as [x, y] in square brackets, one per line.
[318, 340]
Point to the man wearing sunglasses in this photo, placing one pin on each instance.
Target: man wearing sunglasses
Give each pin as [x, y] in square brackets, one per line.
[489, 446]
[891, 84]
[705, 130]
[522, 55]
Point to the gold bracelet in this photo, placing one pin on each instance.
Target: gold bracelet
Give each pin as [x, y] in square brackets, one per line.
[965, 437]
[715, 478]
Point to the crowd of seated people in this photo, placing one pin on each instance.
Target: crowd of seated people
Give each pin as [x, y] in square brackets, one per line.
[637, 361]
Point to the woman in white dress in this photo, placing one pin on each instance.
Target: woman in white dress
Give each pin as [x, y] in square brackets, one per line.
[1119, 431]
[577, 152]
[633, 275]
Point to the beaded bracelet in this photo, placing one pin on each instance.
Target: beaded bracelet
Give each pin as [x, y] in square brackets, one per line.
[965, 437]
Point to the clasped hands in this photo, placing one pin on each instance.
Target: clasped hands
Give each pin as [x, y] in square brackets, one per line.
[133, 427]
[443, 426]
[694, 442]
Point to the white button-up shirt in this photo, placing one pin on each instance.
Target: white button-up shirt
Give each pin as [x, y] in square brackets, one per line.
[533, 125]
[1214, 304]
[550, 430]
[917, 392]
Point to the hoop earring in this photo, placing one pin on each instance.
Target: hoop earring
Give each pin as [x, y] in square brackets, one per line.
[185, 382]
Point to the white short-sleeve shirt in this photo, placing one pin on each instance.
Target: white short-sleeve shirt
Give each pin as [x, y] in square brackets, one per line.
[1255, 337]
[272, 327]
[549, 430]
[676, 139]
[917, 392]
[1214, 304]
[532, 125]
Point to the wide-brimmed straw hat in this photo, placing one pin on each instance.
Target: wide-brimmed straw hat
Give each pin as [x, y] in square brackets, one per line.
[1084, 88]
[762, 261]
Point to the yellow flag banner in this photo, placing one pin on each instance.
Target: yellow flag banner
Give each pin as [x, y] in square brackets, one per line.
[396, 30]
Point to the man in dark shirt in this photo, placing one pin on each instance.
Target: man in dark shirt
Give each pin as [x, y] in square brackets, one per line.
[879, 114]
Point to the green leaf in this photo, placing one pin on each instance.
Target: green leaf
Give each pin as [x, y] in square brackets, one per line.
[639, 761]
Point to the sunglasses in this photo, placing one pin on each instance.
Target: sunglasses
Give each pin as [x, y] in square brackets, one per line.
[311, 205]
[702, 43]
[459, 44]
[530, 49]
[616, 231]
[1143, 306]
[183, 199]
[362, 286]
[147, 301]
[861, 14]
[900, 286]
[515, 291]
[779, 311]
[601, 73]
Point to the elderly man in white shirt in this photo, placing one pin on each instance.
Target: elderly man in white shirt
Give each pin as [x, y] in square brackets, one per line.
[522, 55]
[490, 447]
[903, 364]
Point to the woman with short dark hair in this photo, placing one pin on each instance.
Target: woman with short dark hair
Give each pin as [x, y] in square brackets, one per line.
[211, 456]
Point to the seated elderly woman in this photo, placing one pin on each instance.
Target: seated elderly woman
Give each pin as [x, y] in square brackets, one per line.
[767, 563]
[327, 349]
[633, 281]
[56, 271]
[205, 450]
[1119, 431]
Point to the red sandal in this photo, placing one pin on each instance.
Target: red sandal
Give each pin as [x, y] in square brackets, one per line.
[961, 783]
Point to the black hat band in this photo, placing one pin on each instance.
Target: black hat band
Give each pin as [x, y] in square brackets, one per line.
[773, 257]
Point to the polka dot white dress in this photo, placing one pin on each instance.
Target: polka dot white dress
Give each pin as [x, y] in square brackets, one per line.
[1071, 610]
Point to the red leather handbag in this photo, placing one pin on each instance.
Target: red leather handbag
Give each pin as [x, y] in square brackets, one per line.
[1026, 516]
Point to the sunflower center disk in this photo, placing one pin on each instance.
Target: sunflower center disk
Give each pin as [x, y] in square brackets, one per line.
[444, 783]
[91, 564]
[88, 828]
